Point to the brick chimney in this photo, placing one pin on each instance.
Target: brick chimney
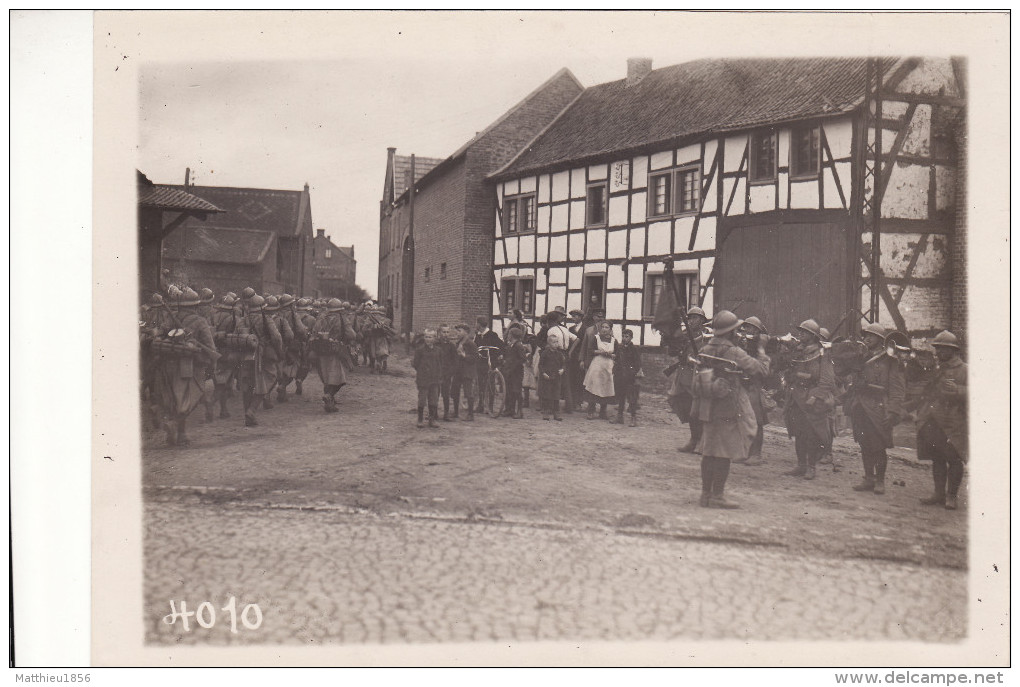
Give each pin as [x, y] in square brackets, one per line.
[320, 233]
[637, 69]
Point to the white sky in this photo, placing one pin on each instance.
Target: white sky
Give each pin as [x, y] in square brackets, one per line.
[276, 100]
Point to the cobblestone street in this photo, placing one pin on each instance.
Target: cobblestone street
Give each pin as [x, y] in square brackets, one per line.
[323, 577]
[361, 528]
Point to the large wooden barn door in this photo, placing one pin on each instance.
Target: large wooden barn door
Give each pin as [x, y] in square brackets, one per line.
[785, 274]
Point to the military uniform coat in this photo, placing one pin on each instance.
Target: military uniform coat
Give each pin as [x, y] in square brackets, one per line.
[182, 377]
[330, 365]
[728, 422]
[876, 397]
[812, 382]
[948, 411]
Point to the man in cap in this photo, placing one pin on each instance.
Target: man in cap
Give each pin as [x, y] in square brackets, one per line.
[721, 404]
[942, 433]
[485, 337]
[874, 402]
[563, 342]
[186, 353]
[811, 383]
[681, 390]
[330, 333]
[752, 337]
[257, 373]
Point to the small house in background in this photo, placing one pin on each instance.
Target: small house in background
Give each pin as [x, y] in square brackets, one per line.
[335, 268]
[263, 239]
[435, 249]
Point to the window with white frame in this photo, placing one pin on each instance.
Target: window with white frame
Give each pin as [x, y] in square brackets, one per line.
[518, 293]
[762, 156]
[674, 192]
[519, 214]
[596, 205]
[805, 151]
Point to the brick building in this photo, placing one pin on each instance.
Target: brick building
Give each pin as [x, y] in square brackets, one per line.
[435, 250]
[262, 239]
[335, 267]
[757, 177]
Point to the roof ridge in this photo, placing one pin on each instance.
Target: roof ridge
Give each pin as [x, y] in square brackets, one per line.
[537, 136]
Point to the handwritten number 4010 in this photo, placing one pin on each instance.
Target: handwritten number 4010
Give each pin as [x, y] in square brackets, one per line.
[205, 615]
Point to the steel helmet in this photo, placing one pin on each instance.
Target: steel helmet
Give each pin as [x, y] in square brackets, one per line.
[272, 304]
[156, 299]
[186, 297]
[876, 329]
[256, 301]
[725, 322]
[824, 334]
[756, 323]
[304, 304]
[226, 303]
[248, 293]
[811, 327]
[695, 310]
[231, 294]
[946, 338]
[334, 305]
[206, 296]
[285, 300]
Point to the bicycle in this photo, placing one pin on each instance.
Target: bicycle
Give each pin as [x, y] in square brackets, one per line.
[494, 390]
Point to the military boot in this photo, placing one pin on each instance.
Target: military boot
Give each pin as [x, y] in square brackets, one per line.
[297, 387]
[267, 403]
[866, 484]
[879, 486]
[798, 471]
[182, 436]
[810, 472]
[951, 502]
[720, 501]
[936, 499]
[281, 395]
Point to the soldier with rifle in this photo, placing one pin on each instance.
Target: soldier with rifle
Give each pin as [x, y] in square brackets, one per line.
[284, 369]
[257, 373]
[224, 324]
[721, 404]
[329, 338]
[684, 344]
[753, 337]
[811, 384]
[306, 318]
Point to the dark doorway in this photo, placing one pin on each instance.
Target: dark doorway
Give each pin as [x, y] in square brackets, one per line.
[407, 295]
[593, 293]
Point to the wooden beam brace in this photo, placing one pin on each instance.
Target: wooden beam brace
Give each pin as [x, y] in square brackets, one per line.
[897, 145]
[922, 99]
[740, 169]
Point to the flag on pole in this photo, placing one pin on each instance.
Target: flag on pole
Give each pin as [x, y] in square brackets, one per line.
[666, 317]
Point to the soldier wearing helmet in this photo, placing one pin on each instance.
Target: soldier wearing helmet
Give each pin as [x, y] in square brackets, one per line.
[330, 335]
[681, 390]
[257, 373]
[224, 322]
[721, 404]
[285, 367]
[942, 432]
[752, 337]
[306, 319]
[874, 403]
[811, 386]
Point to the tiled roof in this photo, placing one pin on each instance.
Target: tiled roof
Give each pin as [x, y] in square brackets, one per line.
[218, 244]
[691, 99]
[402, 170]
[170, 198]
[347, 250]
[253, 208]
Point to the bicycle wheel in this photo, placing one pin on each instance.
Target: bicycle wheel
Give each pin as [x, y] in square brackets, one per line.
[497, 393]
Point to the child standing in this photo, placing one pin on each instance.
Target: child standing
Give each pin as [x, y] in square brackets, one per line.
[464, 371]
[551, 365]
[429, 368]
[514, 355]
[598, 379]
[448, 356]
[626, 372]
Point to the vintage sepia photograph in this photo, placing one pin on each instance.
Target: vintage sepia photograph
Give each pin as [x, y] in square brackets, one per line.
[439, 347]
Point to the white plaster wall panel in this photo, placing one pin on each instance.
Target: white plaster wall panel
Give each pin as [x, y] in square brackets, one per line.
[557, 275]
[783, 148]
[598, 172]
[512, 187]
[706, 234]
[661, 160]
[619, 176]
[577, 214]
[846, 179]
[727, 192]
[497, 255]
[559, 217]
[839, 135]
[711, 148]
[734, 151]
[617, 244]
[578, 185]
[529, 184]
[931, 75]
[683, 228]
[688, 154]
[574, 277]
[557, 296]
[544, 213]
[543, 188]
[560, 185]
[573, 301]
[709, 201]
[576, 247]
[639, 173]
[634, 305]
[708, 302]
[498, 275]
[499, 193]
[617, 211]
[540, 304]
[784, 190]
[656, 266]
[636, 276]
[945, 187]
[891, 109]
[637, 242]
[496, 305]
[615, 277]
[906, 196]
[687, 264]
[705, 270]
[558, 249]
[737, 208]
[499, 224]
[651, 337]
[888, 138]
[763, 198]
[512, 253]
[542, 249]
[595, 268]
[918, 140]
[614, 306]
[637, 207]
[658, 238]
[596, 244]
[832, 199]
[896, 252]
[803, 195]
[527, 248]
[541, 279]
[618, 330]
[934, 261]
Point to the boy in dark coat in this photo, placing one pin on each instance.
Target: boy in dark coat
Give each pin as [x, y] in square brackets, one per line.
[428, 365]
[465, 371]
[448, 355]
[514, 355]
[626, 372]
[551, 366]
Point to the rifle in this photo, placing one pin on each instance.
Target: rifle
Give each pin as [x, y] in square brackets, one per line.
[191, 339]
[681, 303]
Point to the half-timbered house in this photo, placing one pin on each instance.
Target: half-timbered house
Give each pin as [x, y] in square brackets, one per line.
[758, 177]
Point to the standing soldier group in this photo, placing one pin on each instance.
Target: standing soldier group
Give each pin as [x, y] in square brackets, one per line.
[197, 351]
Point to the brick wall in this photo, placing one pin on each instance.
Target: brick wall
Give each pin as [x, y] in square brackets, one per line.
[958, 246]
